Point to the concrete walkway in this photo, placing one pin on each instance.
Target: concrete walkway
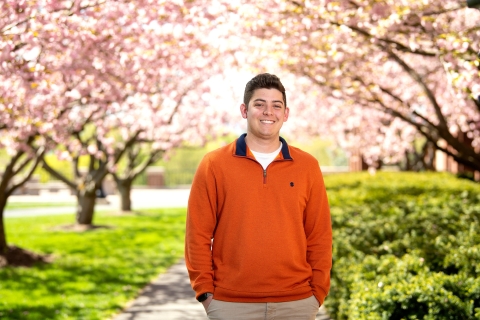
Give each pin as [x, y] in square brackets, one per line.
[170, 297]
[141, 199]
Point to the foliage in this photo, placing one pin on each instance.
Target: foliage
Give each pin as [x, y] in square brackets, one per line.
[324, 151]
[94, 273]
[406, 246]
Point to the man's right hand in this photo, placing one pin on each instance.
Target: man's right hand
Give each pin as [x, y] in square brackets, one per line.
[206, 303]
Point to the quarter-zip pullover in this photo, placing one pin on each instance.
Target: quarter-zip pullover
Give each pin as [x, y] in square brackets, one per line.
[271, 229]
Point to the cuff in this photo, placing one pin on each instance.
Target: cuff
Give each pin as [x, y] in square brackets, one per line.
[203, 288]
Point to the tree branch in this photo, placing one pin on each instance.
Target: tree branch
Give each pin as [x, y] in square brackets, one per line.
[38, 156]
[58, 175]
[399, 46]
[418, 78]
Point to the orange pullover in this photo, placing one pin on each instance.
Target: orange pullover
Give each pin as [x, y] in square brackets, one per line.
[271, 229]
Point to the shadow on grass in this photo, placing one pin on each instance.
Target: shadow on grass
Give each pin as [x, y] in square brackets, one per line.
[80, 227]
[120, 213]
[19, 257]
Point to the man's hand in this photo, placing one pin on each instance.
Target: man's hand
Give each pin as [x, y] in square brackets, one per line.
[206, 303]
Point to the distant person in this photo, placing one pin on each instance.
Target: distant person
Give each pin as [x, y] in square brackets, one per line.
[259, 237]
[100, 193]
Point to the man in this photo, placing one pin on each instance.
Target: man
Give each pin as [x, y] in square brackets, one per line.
[259, 239]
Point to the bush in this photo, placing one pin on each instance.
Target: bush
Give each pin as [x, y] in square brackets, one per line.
[406, 246]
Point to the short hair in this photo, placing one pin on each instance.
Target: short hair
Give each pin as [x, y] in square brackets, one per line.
[263, 81]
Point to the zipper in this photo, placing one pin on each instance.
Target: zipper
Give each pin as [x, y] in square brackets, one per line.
[265, 170]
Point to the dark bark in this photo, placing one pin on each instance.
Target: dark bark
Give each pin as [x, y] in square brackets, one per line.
[422, 160]
[428, 156]
[18, 163]
[124, 187]
[408, 165]
[85, 207]
[4, 182]
[3, 234]
[135, 166]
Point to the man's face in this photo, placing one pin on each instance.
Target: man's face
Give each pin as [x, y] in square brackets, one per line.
[265, 114]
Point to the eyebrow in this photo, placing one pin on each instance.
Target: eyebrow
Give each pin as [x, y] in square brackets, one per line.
[263, 100]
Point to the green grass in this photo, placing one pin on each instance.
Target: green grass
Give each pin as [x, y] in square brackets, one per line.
[31, 205]
[95, 273]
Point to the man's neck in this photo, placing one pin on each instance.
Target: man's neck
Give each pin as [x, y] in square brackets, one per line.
[262, 145]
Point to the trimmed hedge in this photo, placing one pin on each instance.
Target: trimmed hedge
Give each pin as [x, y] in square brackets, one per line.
[406, 246]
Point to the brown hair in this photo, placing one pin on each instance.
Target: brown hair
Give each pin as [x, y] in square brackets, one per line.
[263, 81]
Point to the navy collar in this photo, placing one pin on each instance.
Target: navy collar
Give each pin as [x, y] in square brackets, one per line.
[241, 149]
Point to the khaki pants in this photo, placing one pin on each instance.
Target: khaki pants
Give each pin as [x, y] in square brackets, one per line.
[305, 309]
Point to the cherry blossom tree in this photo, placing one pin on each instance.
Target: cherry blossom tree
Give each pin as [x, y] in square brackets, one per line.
[28, 102]
[133, 75]
[188, 118]
[383, 62]
[97, 78]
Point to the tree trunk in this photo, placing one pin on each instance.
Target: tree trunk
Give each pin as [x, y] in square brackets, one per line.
[408, 166]
[125, 188]
[16, 165]
[85, 207]
[3, 235]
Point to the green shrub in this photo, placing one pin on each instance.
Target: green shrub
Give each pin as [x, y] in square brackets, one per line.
[406, 246]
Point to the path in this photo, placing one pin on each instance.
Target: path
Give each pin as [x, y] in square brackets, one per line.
[141, 199]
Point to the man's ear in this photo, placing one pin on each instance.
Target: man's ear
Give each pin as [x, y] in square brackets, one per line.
[243, 110]
[285, 116]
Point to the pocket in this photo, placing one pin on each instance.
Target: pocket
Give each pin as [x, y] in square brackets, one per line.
[315, 302]
[210, 306]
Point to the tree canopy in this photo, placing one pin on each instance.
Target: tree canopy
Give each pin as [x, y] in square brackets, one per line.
[108, 78]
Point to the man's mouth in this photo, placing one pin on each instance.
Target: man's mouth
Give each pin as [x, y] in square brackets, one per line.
[267, 121]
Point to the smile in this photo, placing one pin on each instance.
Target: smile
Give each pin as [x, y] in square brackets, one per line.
[267, 121]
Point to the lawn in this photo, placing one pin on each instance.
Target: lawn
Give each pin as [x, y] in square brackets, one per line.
[32, 205]
[94, 273]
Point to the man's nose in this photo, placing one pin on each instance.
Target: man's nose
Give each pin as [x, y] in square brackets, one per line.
[268, 110]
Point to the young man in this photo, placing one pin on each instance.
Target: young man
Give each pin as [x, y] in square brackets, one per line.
[259, 239]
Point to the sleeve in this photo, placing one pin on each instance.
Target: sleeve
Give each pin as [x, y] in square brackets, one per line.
[200, 226]
[318, 230]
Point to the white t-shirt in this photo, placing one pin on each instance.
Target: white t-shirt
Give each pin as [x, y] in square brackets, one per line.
[266, 158]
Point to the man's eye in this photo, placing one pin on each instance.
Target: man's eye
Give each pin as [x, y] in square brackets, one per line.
[258, 105]
[277, 107]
